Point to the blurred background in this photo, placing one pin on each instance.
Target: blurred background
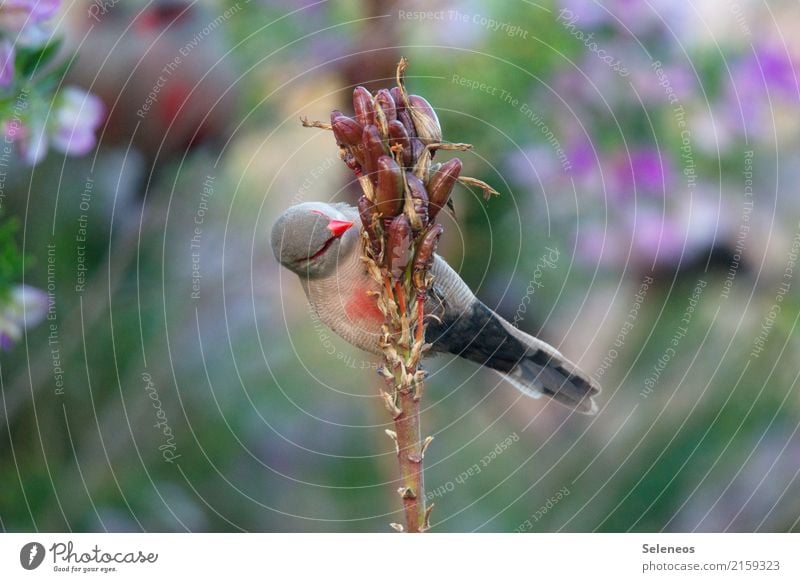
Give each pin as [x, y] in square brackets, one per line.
[159, 371]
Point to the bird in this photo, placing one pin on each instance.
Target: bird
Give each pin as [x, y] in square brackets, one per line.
[321, 243]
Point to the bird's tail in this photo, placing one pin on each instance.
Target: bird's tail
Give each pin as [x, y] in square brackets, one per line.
[541, 369]
[478, 334]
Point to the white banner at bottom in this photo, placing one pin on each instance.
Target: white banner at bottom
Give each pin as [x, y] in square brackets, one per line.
[355, 557]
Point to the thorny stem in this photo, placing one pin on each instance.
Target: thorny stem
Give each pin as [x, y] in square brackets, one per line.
[409, 443]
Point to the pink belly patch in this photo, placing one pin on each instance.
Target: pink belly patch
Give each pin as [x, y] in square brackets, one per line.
[362, 308]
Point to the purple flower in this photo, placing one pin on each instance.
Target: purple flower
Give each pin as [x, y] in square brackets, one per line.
[776, 68]
[582, 156]
[645, 171]
[16, 15]
[25, 307]
[763, 85]
[7, 55]
[77, 118]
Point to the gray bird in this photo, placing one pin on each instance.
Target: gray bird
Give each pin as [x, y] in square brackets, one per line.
[321, 244]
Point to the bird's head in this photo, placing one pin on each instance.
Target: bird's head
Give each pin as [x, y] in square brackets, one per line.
[310, 238]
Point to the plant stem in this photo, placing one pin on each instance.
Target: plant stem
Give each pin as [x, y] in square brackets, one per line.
[404, 380]
[409, 444]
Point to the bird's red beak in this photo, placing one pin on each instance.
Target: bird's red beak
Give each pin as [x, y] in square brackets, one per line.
[339, 227]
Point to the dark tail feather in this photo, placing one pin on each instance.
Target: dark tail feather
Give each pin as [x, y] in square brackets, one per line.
[531, 365]
[546, 372]
[543, 370]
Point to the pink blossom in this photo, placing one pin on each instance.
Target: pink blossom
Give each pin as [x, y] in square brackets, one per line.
[77, 118]
[15, 15]
[70, 129]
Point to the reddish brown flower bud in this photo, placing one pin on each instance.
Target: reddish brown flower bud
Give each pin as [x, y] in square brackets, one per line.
[417, 148]
[423, 258]
[425, 120]
[405, 117]
[389, 192]
[399, 136]
[346, 130]
[441, 185]
[385, 101]
[398, 246]
[397, 95]
[362, 105]
[419, 200]
[373, 149]
[370, 222]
